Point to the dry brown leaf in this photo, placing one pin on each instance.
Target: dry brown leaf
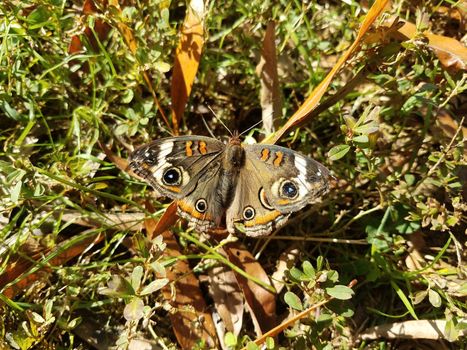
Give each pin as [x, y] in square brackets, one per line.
[19, 265]
[261, 302]
[301, 115]
[414, 260]
[128, 37]
[120, 162]
[187, 58]
[451, 52]
[449, 126]
[101, 28]
[166, 221]
[286, 261]
[115, 220]
[190, 319]
[271, 103]
[416, 329]
[227, 297]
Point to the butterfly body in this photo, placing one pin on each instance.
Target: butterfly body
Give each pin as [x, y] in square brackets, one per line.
[256, 185]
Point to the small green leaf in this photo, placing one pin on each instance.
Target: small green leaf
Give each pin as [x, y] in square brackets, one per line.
[37, 318]
[162, 67]
[293, 301]
[319, 263]
[308, 269]
[340, 292]
[134, 310]
[230, 339]
[9, 111]
[366, 129]
[349, 121]
[296, 274]
[154, 286]
[333, 276]
[158, 269]
[128, 96]
[117, 287]
[419, 297]
[252, 346]
[40, 15]
[339, 151]
[450, 331]
[270, 344]
[360, 139]
[324, 317]
[15, 192]
[74, 322]
[136, 277]
[434, 298]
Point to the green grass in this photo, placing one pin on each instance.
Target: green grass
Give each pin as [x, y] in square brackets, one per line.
[400, 173]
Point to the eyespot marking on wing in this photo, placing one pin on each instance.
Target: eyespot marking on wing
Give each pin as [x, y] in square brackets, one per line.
[192, 211]
[248, 213]
[201, 205]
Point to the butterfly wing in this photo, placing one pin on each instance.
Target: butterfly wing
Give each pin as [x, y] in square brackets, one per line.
[186, 169]
[275, 181]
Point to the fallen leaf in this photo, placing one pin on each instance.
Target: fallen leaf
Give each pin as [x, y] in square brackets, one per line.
[191, 320]
[415, 329]
[451, 52]
[227, 297]
[187, 58]
[301, 115]
[101, 28]
[22, 272]
[286, 260]
[166, 221]
[271, 103]
[261, 302]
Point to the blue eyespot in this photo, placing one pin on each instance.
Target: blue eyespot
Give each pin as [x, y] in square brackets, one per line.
[289, 189]
[172, 176]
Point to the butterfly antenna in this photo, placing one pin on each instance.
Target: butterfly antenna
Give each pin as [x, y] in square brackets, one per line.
[251, 127]
[220, 120]
[208, 128]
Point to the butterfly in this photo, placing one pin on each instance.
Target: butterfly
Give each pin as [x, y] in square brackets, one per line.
[255, 186]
